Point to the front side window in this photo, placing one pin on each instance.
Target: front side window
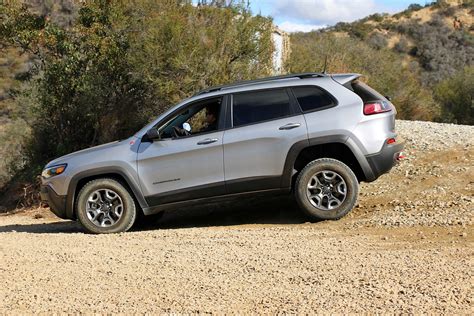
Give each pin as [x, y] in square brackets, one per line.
[259, 106]
[199, 118]
[313, 98]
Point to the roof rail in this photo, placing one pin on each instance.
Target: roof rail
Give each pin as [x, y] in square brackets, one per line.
[262, 80]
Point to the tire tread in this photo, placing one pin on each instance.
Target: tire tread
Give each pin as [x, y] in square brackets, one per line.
[94, 230]
[306, 210]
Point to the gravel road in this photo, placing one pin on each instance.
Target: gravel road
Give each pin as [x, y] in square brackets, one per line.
[406, 248]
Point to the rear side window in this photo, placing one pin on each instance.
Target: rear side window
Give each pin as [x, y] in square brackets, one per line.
[365, 92]
[313, 98]
[259, 106]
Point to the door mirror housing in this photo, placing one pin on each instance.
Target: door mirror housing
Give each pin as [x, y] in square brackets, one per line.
[187, 127]
[152, 134]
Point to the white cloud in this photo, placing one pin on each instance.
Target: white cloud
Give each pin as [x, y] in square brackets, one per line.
[324, 11]
[299, 27]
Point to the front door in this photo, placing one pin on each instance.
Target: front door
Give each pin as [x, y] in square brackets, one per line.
[187, 162]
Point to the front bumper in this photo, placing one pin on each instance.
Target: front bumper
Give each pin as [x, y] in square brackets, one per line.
[57, 203]
[385, 159]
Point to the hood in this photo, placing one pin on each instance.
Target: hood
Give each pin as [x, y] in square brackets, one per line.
[83, 152]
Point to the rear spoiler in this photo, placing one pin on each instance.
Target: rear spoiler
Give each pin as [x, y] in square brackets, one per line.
[345, 78]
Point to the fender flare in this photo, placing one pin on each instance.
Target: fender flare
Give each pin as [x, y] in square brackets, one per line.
[96, 172]
[298, 147]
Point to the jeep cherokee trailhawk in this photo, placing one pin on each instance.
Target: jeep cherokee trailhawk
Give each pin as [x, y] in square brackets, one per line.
[311, 134]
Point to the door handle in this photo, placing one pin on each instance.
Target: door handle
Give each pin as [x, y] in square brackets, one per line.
[207, 141]
[290, 126]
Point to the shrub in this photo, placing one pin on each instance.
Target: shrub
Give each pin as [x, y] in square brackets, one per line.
[342, 27]
[456, 96]
[377, 17]
[359, 30]
[448, 12]
[415, 7]
[384, 70]
[440, 50]
[402, 46]
[377, 41]
[119, 64]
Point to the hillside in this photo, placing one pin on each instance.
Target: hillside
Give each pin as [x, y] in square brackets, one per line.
[439, 37]
[15, 67]
[14, 63]
[422, 58]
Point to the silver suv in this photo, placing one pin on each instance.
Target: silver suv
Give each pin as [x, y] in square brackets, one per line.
[311, 134]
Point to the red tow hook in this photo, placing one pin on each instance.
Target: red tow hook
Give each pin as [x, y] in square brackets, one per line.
[400, 156]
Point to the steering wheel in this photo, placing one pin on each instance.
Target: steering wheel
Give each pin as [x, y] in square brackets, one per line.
[180, 132]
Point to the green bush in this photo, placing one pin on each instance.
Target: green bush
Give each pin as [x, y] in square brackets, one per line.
[383, 69]
[440, 50]
[119, 64]
[83, 85]
[185, 49]
[377, 40]
[415, 7]
[377, 17]
[456, 96]
[402, 46]
[360, 30]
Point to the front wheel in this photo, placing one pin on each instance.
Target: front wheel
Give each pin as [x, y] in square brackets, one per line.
[326, 189]
[105, 206]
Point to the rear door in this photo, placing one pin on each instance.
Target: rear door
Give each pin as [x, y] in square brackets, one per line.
[264, 126]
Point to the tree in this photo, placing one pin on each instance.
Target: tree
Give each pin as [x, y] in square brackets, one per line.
[382, 69]
[456, 96]
[120, 64]
[83, 85]
[184, 49]
[414, 7]
[440, 50]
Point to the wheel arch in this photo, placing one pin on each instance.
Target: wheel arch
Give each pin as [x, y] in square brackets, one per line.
[340, 147]
[79, 180]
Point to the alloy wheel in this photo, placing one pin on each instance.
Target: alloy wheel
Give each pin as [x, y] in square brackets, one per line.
[326, 190]
[104, 207]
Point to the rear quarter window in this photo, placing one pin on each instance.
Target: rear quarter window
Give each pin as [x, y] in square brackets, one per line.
[365, 92]
[311, 98]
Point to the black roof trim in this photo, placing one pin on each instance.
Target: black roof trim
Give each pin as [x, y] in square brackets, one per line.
[262, 80]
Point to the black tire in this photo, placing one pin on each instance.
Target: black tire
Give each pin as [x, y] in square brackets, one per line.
[351, 189]
[128, 214]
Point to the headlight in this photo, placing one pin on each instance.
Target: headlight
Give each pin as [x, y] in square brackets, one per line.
[53, 171]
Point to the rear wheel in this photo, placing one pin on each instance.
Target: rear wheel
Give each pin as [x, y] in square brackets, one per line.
[105, 206]
[326, 189]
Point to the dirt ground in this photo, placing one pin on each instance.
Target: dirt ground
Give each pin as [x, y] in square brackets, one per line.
[406, 248]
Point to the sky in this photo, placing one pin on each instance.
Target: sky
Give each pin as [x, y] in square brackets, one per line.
[307, 15]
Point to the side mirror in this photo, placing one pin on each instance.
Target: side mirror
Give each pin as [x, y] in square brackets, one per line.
[152, 134]
[388, 98]
[187, 127]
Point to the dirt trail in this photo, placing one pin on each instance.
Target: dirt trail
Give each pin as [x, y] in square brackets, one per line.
[407, 247]
[50, 266]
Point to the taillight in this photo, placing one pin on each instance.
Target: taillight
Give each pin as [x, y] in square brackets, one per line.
[376, 107]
